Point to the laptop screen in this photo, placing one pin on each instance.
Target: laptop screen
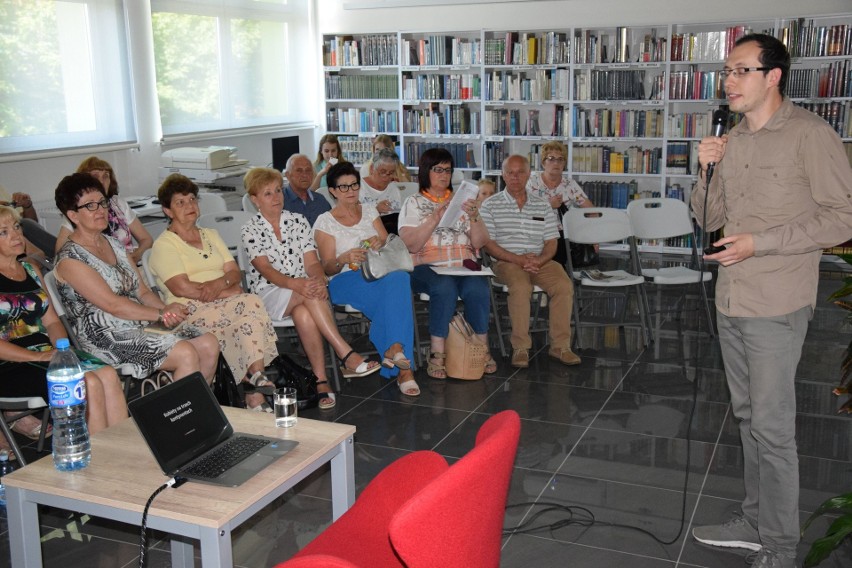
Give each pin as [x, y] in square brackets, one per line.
[180, 421]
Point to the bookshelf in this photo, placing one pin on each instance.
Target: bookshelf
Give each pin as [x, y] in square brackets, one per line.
[630, 102]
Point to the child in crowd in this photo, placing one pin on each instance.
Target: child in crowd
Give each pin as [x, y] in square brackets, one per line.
[487, 188]
[329, 154]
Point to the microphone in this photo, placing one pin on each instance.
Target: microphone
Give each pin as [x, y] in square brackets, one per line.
[720, 121]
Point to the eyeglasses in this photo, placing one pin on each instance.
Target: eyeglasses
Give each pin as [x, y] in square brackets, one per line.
[93, 205]
[344, 188]
[440, 170]
[554, 159]
[384, 172]
[738, 72]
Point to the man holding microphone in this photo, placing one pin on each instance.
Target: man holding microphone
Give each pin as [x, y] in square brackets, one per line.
[781, 189]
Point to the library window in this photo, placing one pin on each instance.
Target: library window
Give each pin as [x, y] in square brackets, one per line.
[64, 77]
[224, 64]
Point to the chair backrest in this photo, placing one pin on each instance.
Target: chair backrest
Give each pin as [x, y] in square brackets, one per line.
[659, 218]
[150, 280]
[228, 224]
[211, 203]
[457, 519]
[248, 206]
[407, 189]
[596, 225]
[324, 192]
[52, 289]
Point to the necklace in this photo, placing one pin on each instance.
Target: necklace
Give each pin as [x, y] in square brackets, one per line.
[434, 199]
[13, 271]
[95, 246]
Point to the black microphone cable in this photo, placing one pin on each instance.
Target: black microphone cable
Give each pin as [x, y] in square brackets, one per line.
[143, 538]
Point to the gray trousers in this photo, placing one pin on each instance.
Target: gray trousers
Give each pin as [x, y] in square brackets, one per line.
[761, 356]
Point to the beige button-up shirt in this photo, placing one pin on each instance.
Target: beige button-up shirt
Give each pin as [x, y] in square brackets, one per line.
[790, 185]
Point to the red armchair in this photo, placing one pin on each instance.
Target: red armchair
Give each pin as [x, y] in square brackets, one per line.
[420, 513]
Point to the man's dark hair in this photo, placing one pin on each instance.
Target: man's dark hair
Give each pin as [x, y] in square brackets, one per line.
[773, 54]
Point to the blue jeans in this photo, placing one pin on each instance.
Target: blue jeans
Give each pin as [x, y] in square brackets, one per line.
[386, 302]
[444, 292]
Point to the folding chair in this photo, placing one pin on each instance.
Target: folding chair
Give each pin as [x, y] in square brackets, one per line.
[324, 192]
[228, 224]
[150, 280]
[248, 206]
[23, 406]
[665, 218]
[211, 203]
[604, 225]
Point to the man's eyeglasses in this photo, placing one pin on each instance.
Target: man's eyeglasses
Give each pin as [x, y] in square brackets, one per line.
[440, 170]
[346, 188]
[554, 159]
[738, 72]
[93, 205]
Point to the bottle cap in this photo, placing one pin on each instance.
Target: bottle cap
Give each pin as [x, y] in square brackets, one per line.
[62, 343]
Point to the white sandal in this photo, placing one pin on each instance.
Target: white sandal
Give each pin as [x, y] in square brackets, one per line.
[362, 370]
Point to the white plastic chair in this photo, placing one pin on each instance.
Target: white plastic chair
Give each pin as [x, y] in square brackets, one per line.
[248, 206]
[228, 224]
[211, 203]
[665, 218]
[594, 225]
[324, 192]
[18, 407]
[407, 189]
[150, 280]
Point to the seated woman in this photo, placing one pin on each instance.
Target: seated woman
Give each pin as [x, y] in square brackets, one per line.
[29, 328]
[109, 304]
[287, 275]
[194, 267]
[386, 301]
[451, 246]
[385, 142]
[123, 224]
[378, 190]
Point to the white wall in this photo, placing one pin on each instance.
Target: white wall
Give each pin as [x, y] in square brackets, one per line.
[136, 169]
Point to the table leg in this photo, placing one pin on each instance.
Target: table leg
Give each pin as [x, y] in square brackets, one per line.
[216, 548]
[182, 552]
[24, 535]
[343, 479]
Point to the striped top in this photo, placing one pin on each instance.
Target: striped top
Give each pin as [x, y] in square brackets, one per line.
[519, 231]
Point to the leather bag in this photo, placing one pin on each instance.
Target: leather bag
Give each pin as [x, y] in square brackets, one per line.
[466, 353]
[392, 256]
[293, 375]
[225, 386]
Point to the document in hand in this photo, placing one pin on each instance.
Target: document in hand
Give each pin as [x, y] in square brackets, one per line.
[466, 190]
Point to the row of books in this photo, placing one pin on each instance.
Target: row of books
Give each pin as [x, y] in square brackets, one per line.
[441, 50]
[512, 122]
[361, 86]
[609, 85]
[356, 149]
[690, 124]
[804, 39]
[545, 48]
[344, 51]
[591, 46]
[361, 120]
[608, 160]
[460, 86]
[493, 155]
[463, 154]
[695, 85]
[607, 122]
[706, 46]
[837, 114]
[611, 193]
[535, 85]
[448, 120]
[682, 157]
[829, 80]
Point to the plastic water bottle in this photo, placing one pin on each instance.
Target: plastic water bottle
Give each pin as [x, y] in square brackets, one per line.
[6, 468]
[66, 389]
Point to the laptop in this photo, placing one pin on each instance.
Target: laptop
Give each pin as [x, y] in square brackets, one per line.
[188, 433]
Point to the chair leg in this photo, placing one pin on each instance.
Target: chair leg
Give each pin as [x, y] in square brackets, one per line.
[495, 311]
[45, 420]
[4, 427]
[576, 315]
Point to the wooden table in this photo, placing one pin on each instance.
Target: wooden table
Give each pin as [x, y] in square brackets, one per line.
[123, 474]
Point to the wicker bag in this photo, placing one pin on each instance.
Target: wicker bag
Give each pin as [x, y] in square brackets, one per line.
[466, 353]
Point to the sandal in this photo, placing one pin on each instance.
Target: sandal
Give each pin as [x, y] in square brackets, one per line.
[258, 383]
[409, 387]
[490, 366]
[363, 369]
[4, 445]
[437, 370]
[327, 400]
[398, 360]
[33, 433]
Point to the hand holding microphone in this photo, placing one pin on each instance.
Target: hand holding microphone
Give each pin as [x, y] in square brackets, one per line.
[712, 148]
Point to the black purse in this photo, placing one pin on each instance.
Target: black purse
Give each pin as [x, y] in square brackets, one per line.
[582, 255]
[225, 386]
[292, 375]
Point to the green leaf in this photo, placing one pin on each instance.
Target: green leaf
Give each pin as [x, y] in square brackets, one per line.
[822, 548]
[839, 503]
[844, 291]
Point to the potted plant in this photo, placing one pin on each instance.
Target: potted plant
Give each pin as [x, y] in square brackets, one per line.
[841, 528]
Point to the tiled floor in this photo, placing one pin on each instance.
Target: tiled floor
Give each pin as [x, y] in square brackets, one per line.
[606, 440]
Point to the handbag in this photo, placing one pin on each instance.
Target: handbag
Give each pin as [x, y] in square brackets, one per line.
[225, 386]
[293, 375]
[466, 353]
[392, 256]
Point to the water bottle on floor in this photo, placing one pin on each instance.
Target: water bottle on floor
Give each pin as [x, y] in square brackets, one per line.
[66, 389]
[6, 467]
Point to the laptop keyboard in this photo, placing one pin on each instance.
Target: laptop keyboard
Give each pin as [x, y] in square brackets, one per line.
[225, 457]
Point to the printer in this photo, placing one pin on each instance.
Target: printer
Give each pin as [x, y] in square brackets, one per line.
[203, 165]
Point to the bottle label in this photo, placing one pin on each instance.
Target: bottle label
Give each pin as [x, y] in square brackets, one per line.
[68, 392]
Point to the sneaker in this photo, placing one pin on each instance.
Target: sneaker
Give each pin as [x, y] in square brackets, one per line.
[564, 356]
[770, 559]
[521, 358]
[736, 533]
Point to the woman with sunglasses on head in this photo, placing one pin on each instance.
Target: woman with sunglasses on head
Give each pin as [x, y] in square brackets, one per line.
[340, 235]
[109, 304]
[431, 245]
[123, 224]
